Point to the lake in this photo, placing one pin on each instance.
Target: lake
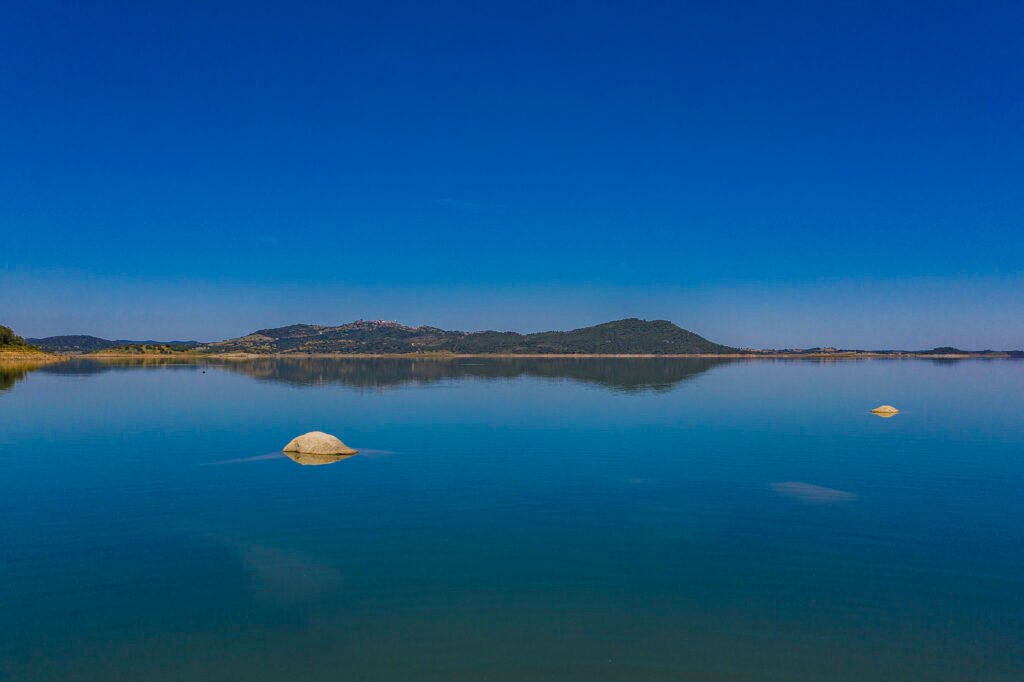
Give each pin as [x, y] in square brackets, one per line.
[534, 519]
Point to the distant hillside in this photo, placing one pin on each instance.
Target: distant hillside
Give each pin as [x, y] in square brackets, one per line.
[88, 344]
[71, 344]
[147, 348]
[626, 337]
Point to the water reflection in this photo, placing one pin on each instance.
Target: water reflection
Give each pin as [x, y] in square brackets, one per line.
[84, 366]
[310, 459]
[11, 372]
[621, 374]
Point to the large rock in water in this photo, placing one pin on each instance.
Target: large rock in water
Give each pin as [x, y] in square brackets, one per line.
[318, 443]
[885, 411]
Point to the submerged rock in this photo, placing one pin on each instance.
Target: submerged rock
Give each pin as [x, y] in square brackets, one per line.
[814, 494]
[318, 443]
[885, 411]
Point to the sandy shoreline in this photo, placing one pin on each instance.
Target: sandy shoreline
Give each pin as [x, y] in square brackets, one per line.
[19, 356]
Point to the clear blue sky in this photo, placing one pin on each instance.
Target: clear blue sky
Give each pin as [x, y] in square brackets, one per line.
[768, 174]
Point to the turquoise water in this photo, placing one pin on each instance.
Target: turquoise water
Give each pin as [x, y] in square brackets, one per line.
[514, 520]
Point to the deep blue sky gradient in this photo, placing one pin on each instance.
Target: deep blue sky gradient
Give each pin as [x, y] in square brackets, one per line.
[769, 174]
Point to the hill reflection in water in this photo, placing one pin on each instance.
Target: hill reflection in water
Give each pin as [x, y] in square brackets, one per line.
[619, 374]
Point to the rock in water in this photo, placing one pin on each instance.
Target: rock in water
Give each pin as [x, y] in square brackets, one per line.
[885, 410]
[318, 443]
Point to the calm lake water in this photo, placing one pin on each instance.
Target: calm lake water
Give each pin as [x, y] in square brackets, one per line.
[513, 520]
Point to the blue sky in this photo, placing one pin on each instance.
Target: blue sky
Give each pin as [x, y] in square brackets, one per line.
[766, 174]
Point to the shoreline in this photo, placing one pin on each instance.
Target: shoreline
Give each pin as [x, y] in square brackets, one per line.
[454, 356]
[19, 356]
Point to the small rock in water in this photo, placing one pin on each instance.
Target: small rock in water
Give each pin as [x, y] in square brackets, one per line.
[318, 443]
[885, 410]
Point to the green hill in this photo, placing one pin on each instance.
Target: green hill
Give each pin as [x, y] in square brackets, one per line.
[622, 337]
[628, 337]
[83, 343]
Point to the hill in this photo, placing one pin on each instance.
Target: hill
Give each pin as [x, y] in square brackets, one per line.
[625, 337]
[146, 348]
[82, 343]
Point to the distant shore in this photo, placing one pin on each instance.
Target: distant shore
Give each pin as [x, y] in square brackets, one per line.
[626, 338]
[852, 355]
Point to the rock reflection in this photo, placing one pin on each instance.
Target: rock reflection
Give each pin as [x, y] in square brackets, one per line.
[309, 459]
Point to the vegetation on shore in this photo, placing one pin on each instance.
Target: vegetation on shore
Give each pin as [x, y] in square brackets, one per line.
[11, 343]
